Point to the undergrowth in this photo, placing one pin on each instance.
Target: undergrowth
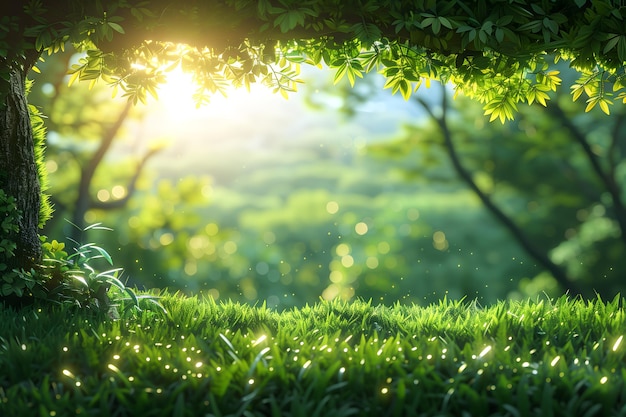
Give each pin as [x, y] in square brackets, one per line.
[85, 279]
[547, 357]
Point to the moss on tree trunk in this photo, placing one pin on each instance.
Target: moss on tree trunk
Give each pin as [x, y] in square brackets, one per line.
[18, 171]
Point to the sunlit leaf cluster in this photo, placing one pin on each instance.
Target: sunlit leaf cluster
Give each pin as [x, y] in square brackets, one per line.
[500, 52]
[593, 84]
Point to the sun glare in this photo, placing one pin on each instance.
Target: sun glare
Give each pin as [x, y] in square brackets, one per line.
[176, 103]
[176, 95]
[221, 123]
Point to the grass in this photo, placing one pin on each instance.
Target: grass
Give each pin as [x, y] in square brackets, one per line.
[548, 357]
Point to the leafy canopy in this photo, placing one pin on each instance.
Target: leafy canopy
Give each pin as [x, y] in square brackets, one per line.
[500, 52]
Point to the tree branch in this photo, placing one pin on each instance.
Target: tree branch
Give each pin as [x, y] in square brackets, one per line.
[131, 187]
[87, 173]
[587, 187]
[613, 147]
[557, 272]
[606, 178]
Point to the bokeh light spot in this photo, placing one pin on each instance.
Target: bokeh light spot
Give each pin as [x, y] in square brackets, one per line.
[342, 249]
[118, 192]
[103, 195]
[211, 229]
[361, 228]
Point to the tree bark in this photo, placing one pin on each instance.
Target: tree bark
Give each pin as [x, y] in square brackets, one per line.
[18, 170]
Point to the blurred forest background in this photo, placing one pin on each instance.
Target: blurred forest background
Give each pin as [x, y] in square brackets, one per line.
[338, 192]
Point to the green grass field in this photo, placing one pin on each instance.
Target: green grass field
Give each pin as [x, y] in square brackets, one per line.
[537, 358]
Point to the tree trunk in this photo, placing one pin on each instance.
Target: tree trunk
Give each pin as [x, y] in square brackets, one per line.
[18, 170]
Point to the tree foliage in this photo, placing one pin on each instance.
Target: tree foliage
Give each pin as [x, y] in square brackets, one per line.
[499, 52]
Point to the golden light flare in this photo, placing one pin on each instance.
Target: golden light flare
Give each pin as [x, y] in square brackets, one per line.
[176, 95]
[176, 99]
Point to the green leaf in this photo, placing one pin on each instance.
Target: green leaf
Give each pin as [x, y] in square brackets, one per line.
[612, 43]
[351, 75]
[534, 94]
[369, 60]
[113, 281]
[604, 105]
[621, 48]
[551, 25]
[7, 289]
[537, 9]
[601, 101]
[428, 21]
[132, 296]
[577, 91]
[499, 35]
[116, 27]
[367, 33]
[534, 26]
[436, 26]
[445, 22]
[263, 7]
[289, 20]
[482, 36]
[103, 253]
[405, 89]
[341, 71]
[501, 107]
[81, 280]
